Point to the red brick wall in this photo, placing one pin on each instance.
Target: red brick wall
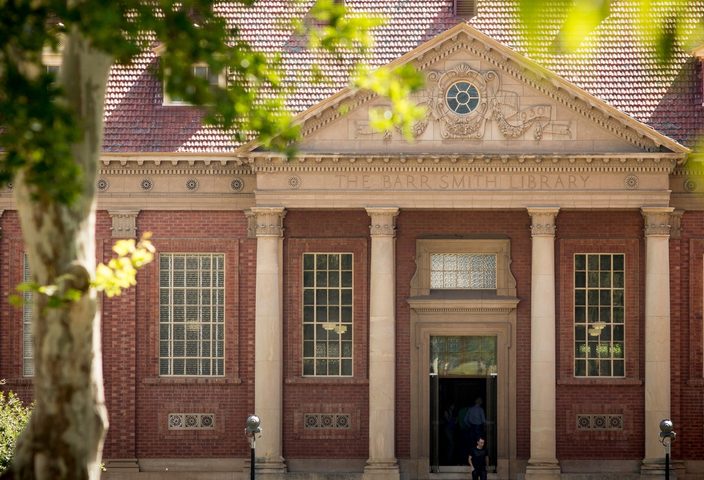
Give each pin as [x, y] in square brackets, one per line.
[600, 232]
[139, 401]
[11, 265]
[325, 232]
[687, 298]
[229, 398]
[412, 225]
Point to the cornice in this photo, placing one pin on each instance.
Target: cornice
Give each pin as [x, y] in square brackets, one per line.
[427, 304]
[612, 163]
[172, 164]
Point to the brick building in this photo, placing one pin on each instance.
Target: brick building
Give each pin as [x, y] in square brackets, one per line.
[539, 246]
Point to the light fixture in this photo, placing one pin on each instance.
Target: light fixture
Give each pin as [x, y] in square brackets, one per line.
[596, 328]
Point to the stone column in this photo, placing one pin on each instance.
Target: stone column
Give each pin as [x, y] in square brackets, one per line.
[543, 459]
[382, 462]
[268, 346]
[657, 333]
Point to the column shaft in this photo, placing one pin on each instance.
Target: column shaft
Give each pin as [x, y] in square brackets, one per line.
[268, 356]
[382, 352]
[543, 459]
[657, 328]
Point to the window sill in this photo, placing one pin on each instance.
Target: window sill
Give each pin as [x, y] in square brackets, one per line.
[326, 381]
[191, 381]
[599, 381]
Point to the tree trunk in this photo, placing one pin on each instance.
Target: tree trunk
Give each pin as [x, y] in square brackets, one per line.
[65, 435]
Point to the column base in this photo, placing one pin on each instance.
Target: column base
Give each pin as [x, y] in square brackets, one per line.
[270, 468]
[655, 468]
[381, 470]
[122, 465]
[542, 469]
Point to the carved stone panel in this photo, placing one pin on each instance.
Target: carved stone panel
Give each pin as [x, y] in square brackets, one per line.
[124, 223]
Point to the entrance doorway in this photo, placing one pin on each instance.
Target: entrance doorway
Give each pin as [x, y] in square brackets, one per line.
[463, 399]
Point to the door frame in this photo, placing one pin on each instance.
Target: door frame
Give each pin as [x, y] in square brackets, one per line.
[431, 318]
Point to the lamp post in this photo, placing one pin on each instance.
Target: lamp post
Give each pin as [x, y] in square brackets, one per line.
[667, 436]
[251, 430]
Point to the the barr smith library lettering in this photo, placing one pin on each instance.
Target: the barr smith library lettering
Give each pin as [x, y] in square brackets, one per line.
[527, 269]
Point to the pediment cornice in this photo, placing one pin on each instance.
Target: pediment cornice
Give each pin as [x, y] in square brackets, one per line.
[648, 163]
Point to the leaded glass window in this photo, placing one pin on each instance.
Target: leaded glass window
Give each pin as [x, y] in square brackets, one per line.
[27, 340]
[463, 271]
[462, 98]
[192, 314]
[327, 314]
[599, 315]
[463, 356]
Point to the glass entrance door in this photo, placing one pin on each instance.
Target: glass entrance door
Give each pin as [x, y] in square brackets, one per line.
[463, 379]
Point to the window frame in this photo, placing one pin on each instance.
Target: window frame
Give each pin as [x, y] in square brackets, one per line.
[600, 325]
[224, 323]
[174, 102]
[294, 248]
[633, 310]
[457, 271]
[349, 325]
[27, 311]
[500, 247]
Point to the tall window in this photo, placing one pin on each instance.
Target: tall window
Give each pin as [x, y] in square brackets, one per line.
[463, 271]
[327, 314]
[599, 317]
[27, 340]
[191, 314]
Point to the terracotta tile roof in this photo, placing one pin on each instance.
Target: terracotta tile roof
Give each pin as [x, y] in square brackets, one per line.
[620, 71]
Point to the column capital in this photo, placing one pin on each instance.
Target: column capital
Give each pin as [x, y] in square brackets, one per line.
[543, 221]
[267, 221]
[383, 221]
[124, 223]
[657, 221]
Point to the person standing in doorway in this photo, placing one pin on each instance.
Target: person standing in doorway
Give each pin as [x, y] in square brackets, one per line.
[476, 420]
[478, 460]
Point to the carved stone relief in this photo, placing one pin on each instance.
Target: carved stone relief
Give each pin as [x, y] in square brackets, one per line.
[463, 100]
[492, 103]
[124, 223]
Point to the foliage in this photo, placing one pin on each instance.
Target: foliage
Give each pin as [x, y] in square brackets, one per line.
[13, 418]
[121, 272]
[112, 278]
[38, 130]
[341, 33]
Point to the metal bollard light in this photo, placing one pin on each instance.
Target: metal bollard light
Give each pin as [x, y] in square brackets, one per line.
[251, 431]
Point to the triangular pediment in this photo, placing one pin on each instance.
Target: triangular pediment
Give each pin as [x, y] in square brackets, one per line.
[481, 98]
